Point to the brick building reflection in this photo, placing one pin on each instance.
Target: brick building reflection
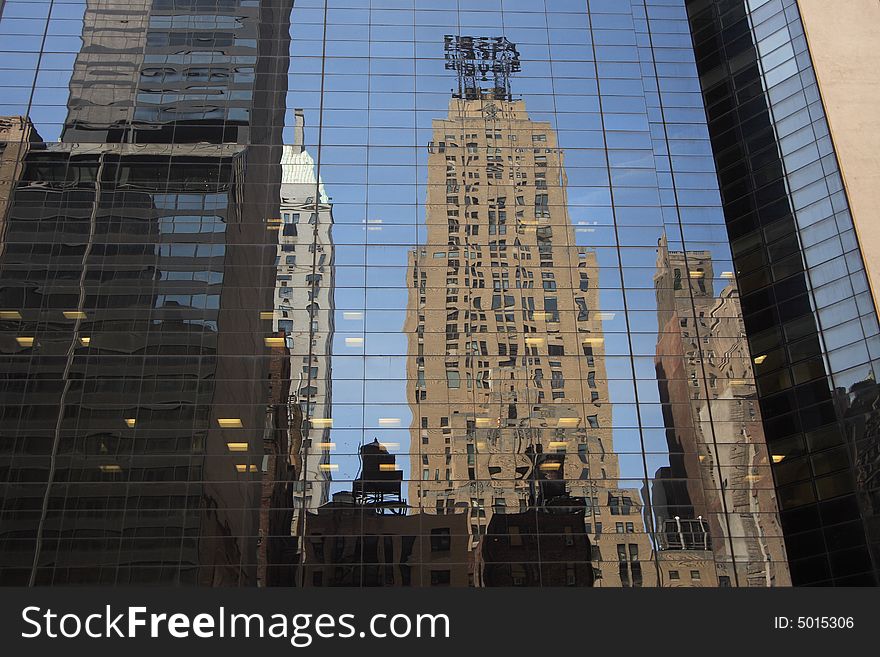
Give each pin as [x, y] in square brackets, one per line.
[714, 504]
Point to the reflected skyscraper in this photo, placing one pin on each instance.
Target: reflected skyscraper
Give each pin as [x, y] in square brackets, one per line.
[507, 381]
[295, 477]
[17, 137]
[303, 309]
[714, 504]
[147, 72]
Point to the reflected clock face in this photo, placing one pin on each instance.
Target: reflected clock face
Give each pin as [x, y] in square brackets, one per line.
[490, 111]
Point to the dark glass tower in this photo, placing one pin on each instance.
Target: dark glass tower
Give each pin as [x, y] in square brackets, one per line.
[810, 317]
[135, 374]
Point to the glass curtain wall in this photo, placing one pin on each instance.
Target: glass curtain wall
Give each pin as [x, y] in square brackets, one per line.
[810, 317]
[370, 293]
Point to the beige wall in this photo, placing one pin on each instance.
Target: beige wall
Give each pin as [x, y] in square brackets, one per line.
[842, 37]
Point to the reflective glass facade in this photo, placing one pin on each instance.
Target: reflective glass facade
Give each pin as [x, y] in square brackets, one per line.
[809, 312]
[426, 293]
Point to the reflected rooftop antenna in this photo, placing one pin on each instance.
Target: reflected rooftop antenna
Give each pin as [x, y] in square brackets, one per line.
[479, 60]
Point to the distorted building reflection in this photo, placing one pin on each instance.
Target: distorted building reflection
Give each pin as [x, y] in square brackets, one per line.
[545, 545]
[296, 478]
[17, 137]
[860, 410]
[809, 303]
[304, 307]
[277, 548]
[137, 258]
[714, 503]
[379, 482]
[505, 334]
[364, 537]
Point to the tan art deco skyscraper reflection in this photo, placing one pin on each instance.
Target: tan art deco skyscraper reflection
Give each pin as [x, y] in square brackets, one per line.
[506, 351]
